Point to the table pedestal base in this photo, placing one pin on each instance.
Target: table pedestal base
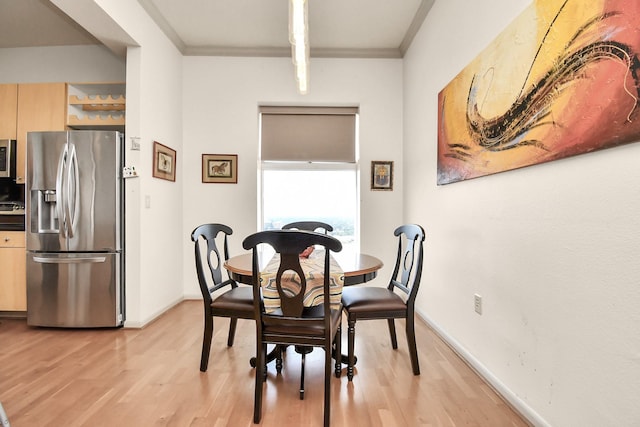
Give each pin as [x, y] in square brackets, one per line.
[273, 355]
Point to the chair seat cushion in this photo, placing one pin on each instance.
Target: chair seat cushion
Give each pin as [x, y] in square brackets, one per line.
[370, 299]
[236, 299]
[275, 325]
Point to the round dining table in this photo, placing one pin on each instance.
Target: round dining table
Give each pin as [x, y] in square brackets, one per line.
[357, 268]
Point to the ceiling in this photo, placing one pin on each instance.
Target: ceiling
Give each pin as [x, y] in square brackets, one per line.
[31, 23]
[337, 28]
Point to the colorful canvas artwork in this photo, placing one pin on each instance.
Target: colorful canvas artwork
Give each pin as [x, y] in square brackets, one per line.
[562, 79]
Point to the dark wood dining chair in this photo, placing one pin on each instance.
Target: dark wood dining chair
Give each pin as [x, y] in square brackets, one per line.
[293, 323]
[396, 301]
[309, 226]
[221, 297]
[316, 226]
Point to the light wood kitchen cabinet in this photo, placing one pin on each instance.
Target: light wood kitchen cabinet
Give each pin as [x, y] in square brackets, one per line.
[13, 268]
[41, 107]
[8, 110]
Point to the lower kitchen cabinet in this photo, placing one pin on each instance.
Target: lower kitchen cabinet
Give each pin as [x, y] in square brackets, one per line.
[13, 271]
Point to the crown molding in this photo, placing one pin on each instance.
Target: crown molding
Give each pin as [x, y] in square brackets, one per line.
[418, 19]
[161, 22]
[276, 52]
[237, 51]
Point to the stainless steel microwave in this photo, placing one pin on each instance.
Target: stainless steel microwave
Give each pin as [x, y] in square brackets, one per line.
[7, 158]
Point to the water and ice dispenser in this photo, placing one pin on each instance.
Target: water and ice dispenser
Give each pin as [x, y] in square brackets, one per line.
[44, 217]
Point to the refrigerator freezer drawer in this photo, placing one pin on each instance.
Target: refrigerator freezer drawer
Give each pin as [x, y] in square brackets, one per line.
[74, 290]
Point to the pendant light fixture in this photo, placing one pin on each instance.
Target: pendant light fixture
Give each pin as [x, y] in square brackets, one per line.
[299, 39]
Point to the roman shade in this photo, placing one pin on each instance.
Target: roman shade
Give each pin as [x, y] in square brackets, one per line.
[310, 134]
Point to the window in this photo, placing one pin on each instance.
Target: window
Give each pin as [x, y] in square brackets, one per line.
[310, 153]
[324, 192]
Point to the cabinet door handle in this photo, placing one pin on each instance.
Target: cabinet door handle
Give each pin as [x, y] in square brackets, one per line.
[6, 239]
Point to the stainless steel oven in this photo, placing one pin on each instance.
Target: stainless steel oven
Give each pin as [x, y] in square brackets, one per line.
[7, 158]
[11, 216]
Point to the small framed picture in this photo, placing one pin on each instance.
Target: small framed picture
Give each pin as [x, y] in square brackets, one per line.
[381, 175]
[164, 162]
[220, 168]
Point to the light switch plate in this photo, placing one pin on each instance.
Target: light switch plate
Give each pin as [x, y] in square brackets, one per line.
[129, 172]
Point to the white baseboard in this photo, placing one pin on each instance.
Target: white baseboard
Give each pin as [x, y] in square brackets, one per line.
[152, 317]
[516, 403]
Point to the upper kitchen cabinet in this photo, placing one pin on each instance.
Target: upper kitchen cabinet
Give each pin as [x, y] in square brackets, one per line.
[41, 107]
[96, 106]
[8, 110]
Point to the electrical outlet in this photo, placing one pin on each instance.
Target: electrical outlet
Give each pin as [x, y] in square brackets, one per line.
[477, 303]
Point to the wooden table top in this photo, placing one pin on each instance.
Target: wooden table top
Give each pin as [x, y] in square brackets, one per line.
[354, 265]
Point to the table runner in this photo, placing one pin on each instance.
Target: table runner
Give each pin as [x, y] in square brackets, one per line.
[313, 267]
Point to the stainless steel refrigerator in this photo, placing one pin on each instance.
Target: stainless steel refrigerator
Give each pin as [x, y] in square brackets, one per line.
[75, 229]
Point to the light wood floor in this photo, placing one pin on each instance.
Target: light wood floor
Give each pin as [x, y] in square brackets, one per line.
[150, 377]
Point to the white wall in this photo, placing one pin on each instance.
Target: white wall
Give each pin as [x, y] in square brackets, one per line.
[221, 99]
[154, 113]
[553, 249]
[93, 63]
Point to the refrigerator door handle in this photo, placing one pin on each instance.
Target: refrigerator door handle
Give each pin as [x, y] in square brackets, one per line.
[74, 260]
[73, 194]
[60, 194]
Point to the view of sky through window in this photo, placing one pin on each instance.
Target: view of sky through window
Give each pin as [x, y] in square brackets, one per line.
[312, 195]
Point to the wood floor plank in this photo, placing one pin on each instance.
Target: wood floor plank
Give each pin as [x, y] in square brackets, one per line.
[151, 377]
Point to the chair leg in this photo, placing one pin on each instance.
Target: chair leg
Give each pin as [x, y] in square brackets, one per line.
[327, 386]
[411, 340]
[264, 364]
[303, 354]
[337, 348]
[351, 340]
[232, 331]
[260, 378]
[392, 334]
[279, 349]
[206, 342]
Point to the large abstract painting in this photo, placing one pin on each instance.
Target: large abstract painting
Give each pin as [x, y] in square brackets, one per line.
[562, 79]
